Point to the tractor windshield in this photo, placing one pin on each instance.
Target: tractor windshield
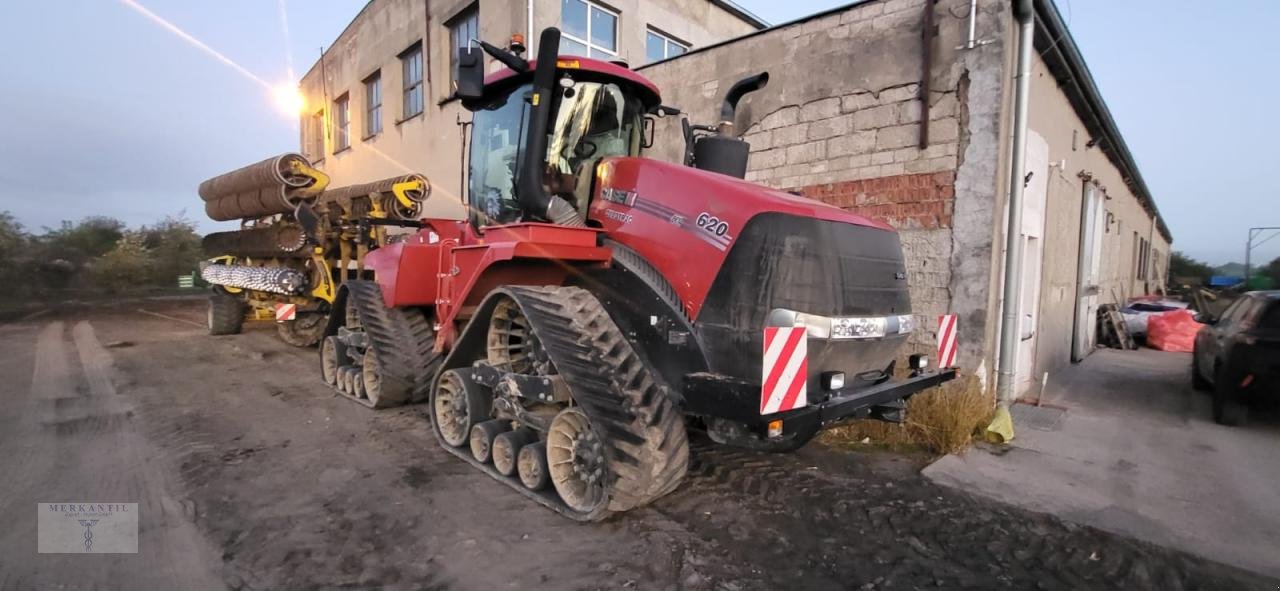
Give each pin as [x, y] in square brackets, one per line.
[593, 120]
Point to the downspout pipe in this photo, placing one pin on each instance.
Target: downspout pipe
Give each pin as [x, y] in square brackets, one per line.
[1011, 321]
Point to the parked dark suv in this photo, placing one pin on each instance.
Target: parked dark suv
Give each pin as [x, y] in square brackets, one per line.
[1238, 354]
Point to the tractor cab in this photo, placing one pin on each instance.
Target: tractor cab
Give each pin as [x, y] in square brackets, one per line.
[540, 129]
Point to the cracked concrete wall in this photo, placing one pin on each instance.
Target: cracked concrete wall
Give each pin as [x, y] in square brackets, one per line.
[840, 122]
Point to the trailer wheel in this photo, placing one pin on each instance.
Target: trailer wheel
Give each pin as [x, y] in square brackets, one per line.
[304, 331]
[226, 314]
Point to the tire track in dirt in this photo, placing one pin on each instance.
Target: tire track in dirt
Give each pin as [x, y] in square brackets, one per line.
[80, 444]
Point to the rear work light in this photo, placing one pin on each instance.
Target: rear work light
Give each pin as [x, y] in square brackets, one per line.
[843, 327]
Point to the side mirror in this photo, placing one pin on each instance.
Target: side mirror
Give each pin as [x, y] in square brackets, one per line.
[646, 135]
[470, 72]
[1203, 318]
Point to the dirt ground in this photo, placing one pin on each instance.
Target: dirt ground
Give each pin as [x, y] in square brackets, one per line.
[250, 474]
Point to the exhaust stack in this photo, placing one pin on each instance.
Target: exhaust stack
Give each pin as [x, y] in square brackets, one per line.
[720, 151]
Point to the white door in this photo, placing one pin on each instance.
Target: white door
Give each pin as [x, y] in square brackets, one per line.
[1033, 207]
[1085, 335]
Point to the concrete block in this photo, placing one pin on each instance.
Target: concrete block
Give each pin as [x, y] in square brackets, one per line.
[909, 111]
[898, 94]
[893, 169]
[944, 105]
[826, 128]
[882, 158]
[906, 154]
[820, 109]
[783, 117]
[937, 150]
[761, 140]
[804, 153]
[876, 117]
[931, 165]
[857, 102]
[944, 130]
[768, 158]
[860, 142]
[790, 135]
[898, 136]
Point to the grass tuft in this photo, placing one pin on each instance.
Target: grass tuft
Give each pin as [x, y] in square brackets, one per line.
[940, 420]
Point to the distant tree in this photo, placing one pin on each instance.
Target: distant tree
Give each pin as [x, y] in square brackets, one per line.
[1183, 268]
[13, 255]
[126, 267]
[1272, 270]
[174, 246]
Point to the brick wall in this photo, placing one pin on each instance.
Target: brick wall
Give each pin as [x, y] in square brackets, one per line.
[907, 202]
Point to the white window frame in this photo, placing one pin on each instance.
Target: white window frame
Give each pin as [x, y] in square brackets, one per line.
[617, 18]
[667, 42]
[453, 24]
[342, 123]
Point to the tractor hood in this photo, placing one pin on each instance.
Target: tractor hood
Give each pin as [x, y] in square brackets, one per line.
[686, 221]
[730, 198]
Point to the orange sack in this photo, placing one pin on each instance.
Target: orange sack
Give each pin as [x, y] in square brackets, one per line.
[1173, 331]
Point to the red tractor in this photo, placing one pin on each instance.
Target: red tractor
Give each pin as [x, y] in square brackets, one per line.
[597, 305]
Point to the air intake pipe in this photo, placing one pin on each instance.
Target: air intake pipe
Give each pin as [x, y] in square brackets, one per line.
[721, 152]
[729, 109]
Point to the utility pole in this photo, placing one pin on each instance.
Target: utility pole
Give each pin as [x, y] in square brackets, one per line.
[1249, 245]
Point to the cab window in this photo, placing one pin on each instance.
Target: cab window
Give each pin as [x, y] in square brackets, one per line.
[497, 141]
[594, 121]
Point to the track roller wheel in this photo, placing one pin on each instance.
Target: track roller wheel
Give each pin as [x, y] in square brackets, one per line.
[357, 384]
[482, 436]
[331, 350]
[506, 446]
[347, 381]
[371, 377]
[576, 462]
[457, 405]
[531, 465]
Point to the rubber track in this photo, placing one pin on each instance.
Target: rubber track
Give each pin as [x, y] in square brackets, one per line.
[392, 335]
[645, 436]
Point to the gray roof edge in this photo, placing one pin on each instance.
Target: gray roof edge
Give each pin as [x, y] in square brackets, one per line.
[742, 13]
[1048, 16]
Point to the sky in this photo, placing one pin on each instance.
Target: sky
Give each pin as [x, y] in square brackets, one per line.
[111, 113]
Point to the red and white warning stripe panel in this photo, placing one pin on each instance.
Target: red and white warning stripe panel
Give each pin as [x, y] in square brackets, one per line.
[785, 368]
[286, 312]
[947, 328]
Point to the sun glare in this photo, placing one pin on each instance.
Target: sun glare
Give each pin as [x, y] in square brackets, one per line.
[288, 99]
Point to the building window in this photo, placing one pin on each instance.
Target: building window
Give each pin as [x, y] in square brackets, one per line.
[411, 67]
[373, 105]
[462, 29]
[341, 123]
[659, 47]
[313, 136]
[589, 29]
